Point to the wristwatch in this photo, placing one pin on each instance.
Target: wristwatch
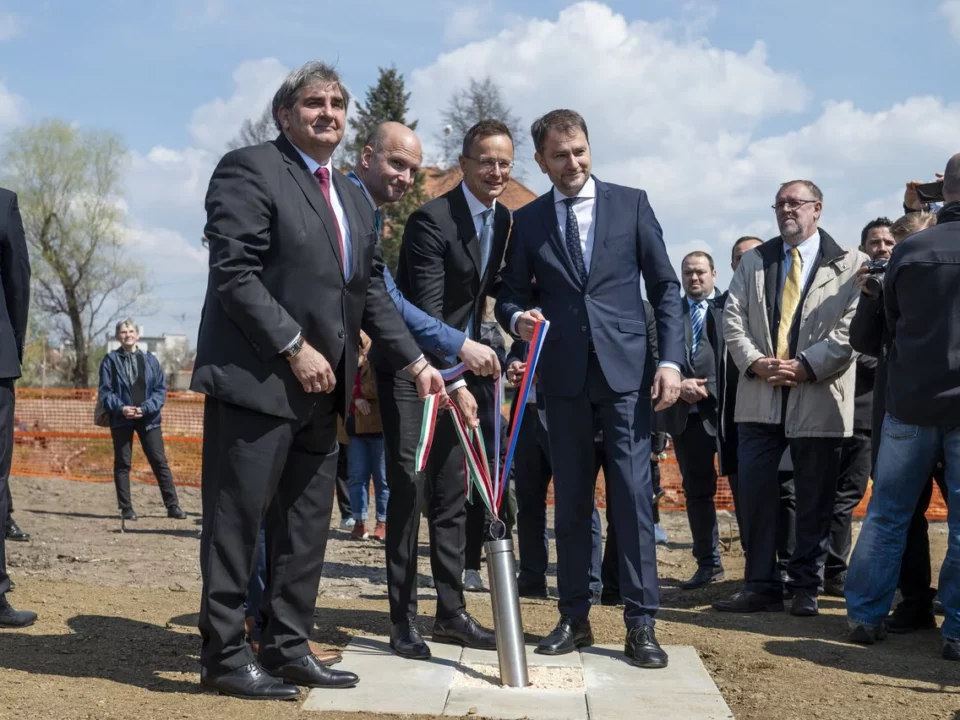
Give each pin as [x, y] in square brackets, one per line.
[293, 349]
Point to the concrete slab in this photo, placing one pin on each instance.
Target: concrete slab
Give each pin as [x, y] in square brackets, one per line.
[513, 704]
[391, 684]
[489, 657]
[681, 691]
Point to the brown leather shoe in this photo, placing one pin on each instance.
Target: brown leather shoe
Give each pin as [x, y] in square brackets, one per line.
[326, 657]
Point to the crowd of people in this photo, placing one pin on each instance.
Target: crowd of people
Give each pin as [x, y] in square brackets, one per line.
[821, 366]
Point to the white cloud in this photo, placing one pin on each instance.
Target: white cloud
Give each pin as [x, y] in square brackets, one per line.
[950, 9]
[12, 107]
[468, 20]
[10, 26]
[687, 121]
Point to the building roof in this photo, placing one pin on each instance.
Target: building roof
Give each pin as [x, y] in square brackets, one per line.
[437, 182]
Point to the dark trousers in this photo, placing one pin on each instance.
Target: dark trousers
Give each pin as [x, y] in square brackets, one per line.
[915, 578]
[152, 443]
[260, 468]
[696, 451]
[7, 402]
[816, 466]
[532, 474]
[256, 586]
[343, 483]
[401, 414]
[855, 464]
[625, 422]
[786, 520]
[478, 517]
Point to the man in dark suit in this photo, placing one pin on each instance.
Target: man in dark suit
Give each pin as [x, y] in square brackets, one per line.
[693, 422]
[449, 263]
[589, 243]
[295, 272]
[14, 305]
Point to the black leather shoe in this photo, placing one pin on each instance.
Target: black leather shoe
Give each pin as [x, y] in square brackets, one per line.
[746, 601]
[951, 649]
[804, 605]
[643, 650]
[176, 512]
[703, 576]
[611, 599]
[10, 618]
[249, 682]
[406, 642]
[129, 514]
[463, 630]
[532, 591]
[13, 532]
[834, 586]
[570, 634]
[310, 672]
[908, 618]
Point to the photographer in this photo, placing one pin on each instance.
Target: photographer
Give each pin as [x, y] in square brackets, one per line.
[922, 421]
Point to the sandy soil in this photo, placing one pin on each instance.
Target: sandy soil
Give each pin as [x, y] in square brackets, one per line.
[117, 633]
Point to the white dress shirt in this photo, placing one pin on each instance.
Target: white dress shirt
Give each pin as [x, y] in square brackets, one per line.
[585, 210]
[338, 212]
[808, 255]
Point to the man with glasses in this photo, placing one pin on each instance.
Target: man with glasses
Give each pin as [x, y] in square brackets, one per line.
[449, 263]
[787, 326]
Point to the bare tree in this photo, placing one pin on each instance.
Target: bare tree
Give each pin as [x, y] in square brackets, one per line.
[68, 182]
[254, 132]
[480, 100]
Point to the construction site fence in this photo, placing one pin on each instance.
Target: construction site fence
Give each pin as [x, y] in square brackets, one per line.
[55, 436]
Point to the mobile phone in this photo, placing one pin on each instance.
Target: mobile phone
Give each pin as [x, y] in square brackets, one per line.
[930, 192]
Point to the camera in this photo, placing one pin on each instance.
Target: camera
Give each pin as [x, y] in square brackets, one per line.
[873, 284]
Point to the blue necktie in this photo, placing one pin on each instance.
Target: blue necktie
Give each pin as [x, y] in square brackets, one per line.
[696, 321]
[572, 232]
[379, 223]
[486, 239]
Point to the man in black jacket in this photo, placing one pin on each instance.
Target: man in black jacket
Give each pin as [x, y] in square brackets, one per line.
[14, 304]
[856, 451]
[922, 308]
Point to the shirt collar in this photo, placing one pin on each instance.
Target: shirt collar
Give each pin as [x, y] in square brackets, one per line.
[476, 207]
[808, 246]
[693, 302]
[313, 165]
[359, 183]
[589, 190]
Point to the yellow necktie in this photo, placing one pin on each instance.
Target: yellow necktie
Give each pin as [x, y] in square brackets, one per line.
[789, 302]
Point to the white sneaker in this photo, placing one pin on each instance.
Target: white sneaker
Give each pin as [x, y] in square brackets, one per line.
[347, 523]
[659, 534]
[472, 581]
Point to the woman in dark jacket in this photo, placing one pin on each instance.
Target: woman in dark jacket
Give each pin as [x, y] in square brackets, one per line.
[132, 391]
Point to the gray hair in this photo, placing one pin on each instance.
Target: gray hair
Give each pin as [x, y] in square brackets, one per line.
[814, 190]
[126, 322]
[309, 73]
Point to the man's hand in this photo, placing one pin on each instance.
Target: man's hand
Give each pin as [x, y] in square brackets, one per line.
[910, 198]
[862, 275]
[666, 387]
[765, 368]
[312, 370]
[693, 390]
[130, 412]
[790, 373]
[429, 382]
[467, 405]
[515, 372]
[481, 359]
[526, 323]
[362, 406]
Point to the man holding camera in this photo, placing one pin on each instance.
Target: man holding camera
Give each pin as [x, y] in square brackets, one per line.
[922, 421]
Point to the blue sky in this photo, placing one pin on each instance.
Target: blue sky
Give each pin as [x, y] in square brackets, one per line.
[706, 105]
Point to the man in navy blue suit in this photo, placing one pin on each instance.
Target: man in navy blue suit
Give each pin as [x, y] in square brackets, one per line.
[588, 243]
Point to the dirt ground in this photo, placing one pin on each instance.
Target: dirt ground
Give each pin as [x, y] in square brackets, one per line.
[117, 637]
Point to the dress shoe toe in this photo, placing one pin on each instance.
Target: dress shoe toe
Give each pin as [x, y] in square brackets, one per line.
[703, 576]
[746, 601]
[407, 642]
[463, 630]
[569, 635]
[643, 650]
[804, 606]
[176, 513]
[10, 618]
[308, 671]
[249, 682]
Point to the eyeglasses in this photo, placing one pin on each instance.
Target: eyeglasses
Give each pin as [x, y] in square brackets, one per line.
[489, 164]
[791, 205]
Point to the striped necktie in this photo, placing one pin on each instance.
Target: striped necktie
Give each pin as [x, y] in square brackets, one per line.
[789, 302]
[696, 322]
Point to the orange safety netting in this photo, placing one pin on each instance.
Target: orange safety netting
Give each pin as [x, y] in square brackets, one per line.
[55, 437]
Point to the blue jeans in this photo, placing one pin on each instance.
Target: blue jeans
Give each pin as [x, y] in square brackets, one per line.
[907, 456]
[365, 459]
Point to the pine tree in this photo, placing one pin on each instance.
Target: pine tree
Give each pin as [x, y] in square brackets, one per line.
[387, 101]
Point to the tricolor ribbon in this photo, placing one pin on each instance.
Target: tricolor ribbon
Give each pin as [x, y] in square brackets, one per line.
[477, 471]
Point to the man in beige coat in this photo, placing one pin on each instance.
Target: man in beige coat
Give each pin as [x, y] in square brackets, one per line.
[787, 325]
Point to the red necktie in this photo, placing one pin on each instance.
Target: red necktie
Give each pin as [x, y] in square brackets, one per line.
[323, 177]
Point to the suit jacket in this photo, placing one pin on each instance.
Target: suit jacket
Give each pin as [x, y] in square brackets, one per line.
[727, 378]
[275, 271]
[628, 246]
[439, 268]
[674, 419]
[14, 286]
